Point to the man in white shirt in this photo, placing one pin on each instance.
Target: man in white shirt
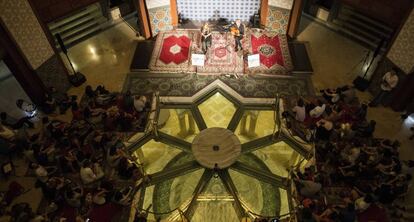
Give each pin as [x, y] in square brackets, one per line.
[309, 188]
[42, 173]
[318, 110]
[363, 203]
[389, 82]
[88, 175]
[139, 103]
[300, 111]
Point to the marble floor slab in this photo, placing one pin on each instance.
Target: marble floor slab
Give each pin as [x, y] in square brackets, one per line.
[217, 111]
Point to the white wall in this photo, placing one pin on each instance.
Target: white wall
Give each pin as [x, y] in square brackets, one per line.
[203, 10]
[286, 4]
[156, 3]
[10, 91]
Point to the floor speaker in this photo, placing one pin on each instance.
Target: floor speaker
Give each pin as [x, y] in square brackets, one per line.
[361, 83]
[77, 79]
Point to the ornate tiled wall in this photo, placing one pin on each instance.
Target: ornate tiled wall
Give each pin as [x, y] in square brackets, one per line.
[52, 73]
[25, 29]
[402, 51]
[215, 9]
[278, 15]
[278, 19]
[160, 19]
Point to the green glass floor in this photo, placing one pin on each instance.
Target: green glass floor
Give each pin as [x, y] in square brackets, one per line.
[255, 184]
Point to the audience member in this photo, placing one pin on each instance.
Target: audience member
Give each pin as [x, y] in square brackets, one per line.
[61, 152]
[389, 82]
[318, 110]
[15, 124]
[90, 173]
[299, 110]
[139, 103]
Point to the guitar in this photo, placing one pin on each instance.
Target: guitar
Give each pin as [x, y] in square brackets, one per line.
[234, 31]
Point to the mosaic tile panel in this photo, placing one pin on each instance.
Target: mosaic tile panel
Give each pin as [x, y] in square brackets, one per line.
[160, 19]
[277, 19]
[21, 22]
[53, 73]
[402, 51]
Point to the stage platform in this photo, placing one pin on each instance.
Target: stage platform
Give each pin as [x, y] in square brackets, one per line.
[144, 60]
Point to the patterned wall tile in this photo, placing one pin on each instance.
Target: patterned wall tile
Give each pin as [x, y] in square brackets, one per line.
[278, 19]
[25, 29]
[160, 19]
[202, 10]
[52, 73]
[402, 51]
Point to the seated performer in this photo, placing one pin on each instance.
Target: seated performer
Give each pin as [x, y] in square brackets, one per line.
[205, 37]
[237, 29]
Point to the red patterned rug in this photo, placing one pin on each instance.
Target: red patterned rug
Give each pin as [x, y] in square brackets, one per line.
[172, 51]
[221, 57]
[273, 50]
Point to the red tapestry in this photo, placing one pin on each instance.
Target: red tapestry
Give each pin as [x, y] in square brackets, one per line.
[175, 49]
[268, 49]
[172, 50]
[273, 50]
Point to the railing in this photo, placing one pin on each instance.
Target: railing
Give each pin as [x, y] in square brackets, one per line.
[151, 126]
[138, 34]
[177, 216]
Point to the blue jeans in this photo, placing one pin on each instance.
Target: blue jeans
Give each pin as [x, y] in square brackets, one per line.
[379, 98]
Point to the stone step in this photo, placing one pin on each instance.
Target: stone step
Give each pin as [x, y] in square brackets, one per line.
[75, 38]
[351, 12]
[357, 34]
[81, 20]
[362, 28]
[69, 19]
[354, 21]
[77, 26]
[81, 29]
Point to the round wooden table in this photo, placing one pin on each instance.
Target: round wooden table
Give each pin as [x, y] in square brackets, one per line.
[216, 148]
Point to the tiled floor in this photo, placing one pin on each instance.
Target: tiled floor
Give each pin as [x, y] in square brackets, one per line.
[217, 111]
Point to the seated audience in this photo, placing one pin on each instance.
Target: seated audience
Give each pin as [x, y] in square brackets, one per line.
[43, 173]
[15, 124]
[309, 188]
[73, 195]
[90, 173]
[128, 102]
[61, 153]
[318, 110]
[139, 103]
[299, 110]
[331, 95]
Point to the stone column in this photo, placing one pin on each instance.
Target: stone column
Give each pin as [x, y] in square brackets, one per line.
[29, 36]
[181, 122]
[253, 121]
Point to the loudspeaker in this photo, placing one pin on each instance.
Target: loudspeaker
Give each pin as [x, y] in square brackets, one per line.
[77, 79]
[361, 83]
[61, 44]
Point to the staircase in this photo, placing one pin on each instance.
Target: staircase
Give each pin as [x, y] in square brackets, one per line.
[79, 24]
[361, 28]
